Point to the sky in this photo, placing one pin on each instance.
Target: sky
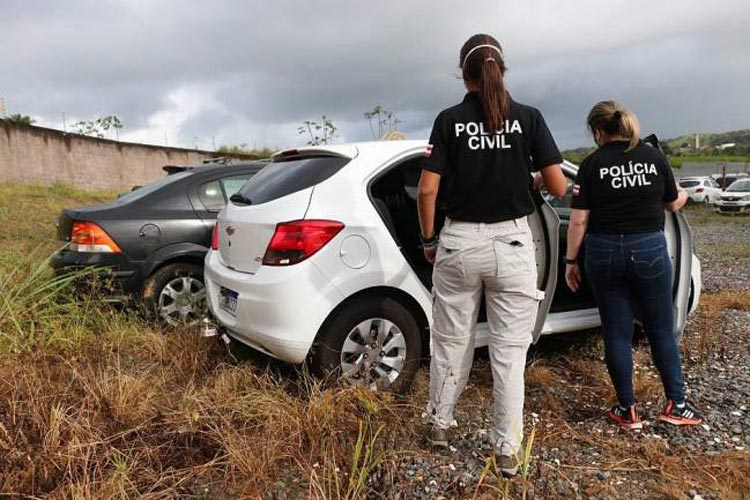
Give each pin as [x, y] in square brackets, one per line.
[198, 74]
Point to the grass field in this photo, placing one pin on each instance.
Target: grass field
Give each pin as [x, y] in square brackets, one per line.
[96, 403]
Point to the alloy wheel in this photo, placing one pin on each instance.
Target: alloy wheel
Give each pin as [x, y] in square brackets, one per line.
[373, 354]
[182, 301]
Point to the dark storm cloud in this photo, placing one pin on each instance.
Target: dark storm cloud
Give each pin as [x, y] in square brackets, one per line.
[240, 71]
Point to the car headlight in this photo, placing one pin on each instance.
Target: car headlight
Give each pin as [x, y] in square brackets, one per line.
[746, 198]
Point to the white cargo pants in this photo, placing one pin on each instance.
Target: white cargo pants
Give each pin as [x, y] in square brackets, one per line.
[498, 259]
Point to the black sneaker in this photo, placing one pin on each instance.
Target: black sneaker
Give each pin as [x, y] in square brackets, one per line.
[683, 414]
[626, 418]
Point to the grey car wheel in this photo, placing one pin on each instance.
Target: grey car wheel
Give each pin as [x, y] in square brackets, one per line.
[176, 295]
[373, 354]
[370, 341]
[182, 301]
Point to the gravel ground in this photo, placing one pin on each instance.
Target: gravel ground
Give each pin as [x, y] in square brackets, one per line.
[724, 250]
[577, 453]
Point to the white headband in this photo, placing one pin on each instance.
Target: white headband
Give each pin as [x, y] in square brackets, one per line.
[466, 58]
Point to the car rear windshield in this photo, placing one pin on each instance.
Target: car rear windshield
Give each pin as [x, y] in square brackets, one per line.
[689, 184]
[281, 178]
[142, 191]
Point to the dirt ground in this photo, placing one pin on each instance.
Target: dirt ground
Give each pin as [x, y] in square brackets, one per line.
[95, 403]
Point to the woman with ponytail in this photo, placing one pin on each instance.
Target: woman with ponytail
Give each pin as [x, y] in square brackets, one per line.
[480, 159]
[619, 198]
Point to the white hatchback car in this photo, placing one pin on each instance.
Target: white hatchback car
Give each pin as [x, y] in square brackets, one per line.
[736, 199]
[701, 189]
[318, 258]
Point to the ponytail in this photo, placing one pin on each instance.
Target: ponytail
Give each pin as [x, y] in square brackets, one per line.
[481, 61]
[614, 119]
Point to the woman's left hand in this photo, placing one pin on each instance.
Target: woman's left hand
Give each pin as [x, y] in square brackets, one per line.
[538, 181]
[573, 276]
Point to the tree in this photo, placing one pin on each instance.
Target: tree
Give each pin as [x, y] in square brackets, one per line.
[384, 121]
[100, 127]
[318, 132]
[19, 119]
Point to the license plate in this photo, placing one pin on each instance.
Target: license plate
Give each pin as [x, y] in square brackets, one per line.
[228, 301]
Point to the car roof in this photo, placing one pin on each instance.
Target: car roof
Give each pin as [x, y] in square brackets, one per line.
[376, 153]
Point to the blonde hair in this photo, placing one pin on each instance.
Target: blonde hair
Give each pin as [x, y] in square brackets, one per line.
[613, 119]
[393, 135]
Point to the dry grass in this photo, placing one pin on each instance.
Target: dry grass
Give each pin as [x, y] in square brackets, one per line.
[94, 403]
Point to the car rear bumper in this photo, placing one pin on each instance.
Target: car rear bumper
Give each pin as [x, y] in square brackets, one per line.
[279, 309]
[113, 265]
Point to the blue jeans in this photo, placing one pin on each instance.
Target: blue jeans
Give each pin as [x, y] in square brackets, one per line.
[627, 270]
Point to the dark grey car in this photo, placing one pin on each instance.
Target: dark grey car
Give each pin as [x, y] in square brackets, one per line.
[153, 239]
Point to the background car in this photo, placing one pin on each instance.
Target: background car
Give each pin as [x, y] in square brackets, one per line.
[318, 257]
[736, 199]
[152, 240]
[726, 180]
[701, 189]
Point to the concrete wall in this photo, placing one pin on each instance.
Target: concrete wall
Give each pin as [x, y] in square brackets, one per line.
[36, 155]
[705, 169]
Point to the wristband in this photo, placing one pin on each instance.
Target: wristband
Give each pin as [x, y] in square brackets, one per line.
[429, 242]
[571, 262]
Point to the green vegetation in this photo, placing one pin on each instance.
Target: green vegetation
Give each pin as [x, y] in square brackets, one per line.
[242, 149]
[681, 149]
[19, 119]
[318, 132]
[381, 121]
[100, 127]
[96, 403]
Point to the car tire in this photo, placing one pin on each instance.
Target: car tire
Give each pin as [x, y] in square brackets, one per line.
[175, 294]
[397, 331]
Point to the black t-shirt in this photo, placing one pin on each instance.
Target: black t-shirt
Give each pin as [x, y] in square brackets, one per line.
[486, 177]
[625, 190]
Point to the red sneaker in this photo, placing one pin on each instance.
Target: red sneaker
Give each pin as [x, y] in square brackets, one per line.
[680, 415]
[626, 418]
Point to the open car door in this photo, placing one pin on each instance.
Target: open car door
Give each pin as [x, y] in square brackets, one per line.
[680, 245]
[545, 227]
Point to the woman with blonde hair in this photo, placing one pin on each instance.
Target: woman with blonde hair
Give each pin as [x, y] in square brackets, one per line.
[619, 198]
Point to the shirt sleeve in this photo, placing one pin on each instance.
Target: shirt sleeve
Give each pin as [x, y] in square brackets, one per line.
[436, 157]
[670, 185]
[543, 149]
[582, 187]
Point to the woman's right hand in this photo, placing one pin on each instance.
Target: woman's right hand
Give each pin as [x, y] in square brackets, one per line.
[429, 254]
[573, 276]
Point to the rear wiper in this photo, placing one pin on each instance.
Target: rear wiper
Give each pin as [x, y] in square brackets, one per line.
[240, 199]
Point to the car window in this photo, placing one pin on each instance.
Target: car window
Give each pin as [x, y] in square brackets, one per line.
[281, 178]
[233, 184]
[689, 184]
[142, 191]
[211, 196]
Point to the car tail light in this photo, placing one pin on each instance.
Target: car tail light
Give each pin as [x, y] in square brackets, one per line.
[295, 241]
[89, 237]
[699, 190]
[215, 237]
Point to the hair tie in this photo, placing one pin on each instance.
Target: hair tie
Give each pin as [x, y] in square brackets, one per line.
[493, 47]
[490, 59]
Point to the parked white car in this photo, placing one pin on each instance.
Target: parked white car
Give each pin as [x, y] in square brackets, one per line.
[318, 258]
[701, 189]
[736, 199]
